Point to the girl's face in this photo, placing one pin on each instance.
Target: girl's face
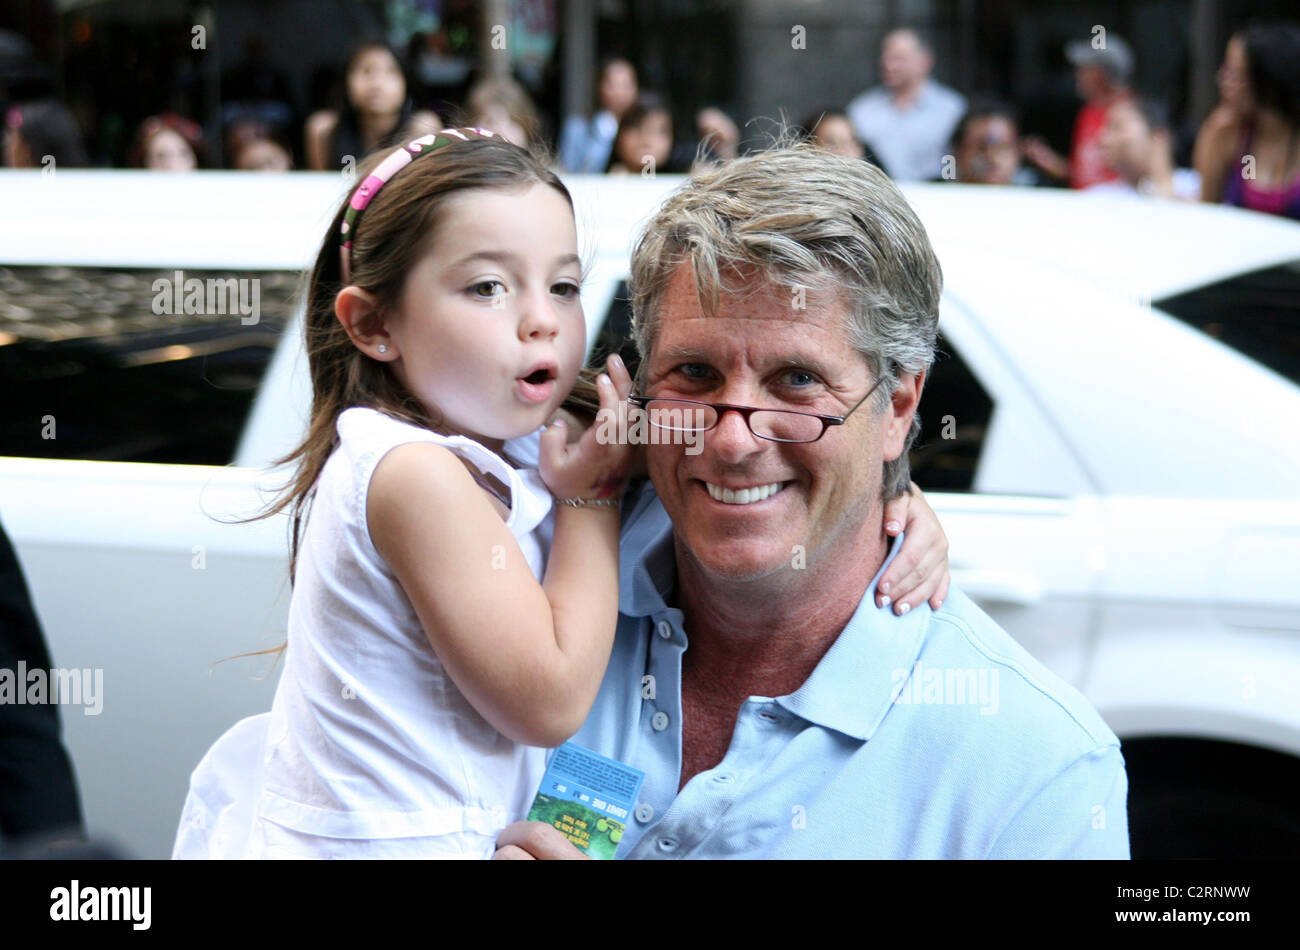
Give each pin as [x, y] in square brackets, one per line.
[489, 331]
[652, 136]
[376, 84]
[167, 150]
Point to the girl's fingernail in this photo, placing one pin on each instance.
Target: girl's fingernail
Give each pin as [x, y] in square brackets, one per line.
[903, 608]
[604, 378]
[884, 601]
[616, 360]
[892, 526]
[884, 587]
[558, 424]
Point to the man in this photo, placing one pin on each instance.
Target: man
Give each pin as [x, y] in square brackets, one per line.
[1101, 77]
[1138, 143]
[986, 145]
[776, 710]
[908, 120]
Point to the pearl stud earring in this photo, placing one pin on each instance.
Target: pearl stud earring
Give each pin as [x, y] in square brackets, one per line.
[383, 347]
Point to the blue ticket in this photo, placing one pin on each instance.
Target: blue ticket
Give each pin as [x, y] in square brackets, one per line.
[588, 797]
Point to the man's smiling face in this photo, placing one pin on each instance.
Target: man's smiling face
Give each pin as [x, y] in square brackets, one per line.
[756, 349]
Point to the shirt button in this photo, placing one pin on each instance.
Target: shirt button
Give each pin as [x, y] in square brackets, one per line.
[643, 813]
[667, 844]
[665, 629]
[724, 778]
[659, 721]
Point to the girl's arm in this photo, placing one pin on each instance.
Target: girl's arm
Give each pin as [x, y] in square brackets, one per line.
[529, 657]
[920, 571]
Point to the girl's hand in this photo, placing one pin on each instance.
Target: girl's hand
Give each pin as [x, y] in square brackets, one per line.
[590, 467]
[920, 571]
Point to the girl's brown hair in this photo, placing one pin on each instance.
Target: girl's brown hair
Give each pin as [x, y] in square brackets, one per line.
[388, 238]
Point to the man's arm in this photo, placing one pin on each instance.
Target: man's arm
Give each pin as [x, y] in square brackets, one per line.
[1081, 813]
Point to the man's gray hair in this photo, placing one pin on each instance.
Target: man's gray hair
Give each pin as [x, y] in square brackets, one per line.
[812, 222]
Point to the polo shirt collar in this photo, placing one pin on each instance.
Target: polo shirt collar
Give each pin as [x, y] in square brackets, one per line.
[852, 688]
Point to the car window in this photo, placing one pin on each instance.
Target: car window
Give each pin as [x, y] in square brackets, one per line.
[1257, 314]
[955, 414]
[138, 365]
[616, 333]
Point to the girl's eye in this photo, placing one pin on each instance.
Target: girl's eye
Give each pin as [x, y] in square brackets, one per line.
[486, 288]
[565, 289]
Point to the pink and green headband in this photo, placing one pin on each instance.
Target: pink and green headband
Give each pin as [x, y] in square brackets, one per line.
[384, 172]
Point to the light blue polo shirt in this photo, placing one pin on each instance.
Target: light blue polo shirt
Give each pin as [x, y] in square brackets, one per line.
[932, 735]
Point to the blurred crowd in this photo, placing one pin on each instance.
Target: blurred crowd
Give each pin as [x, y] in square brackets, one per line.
[1246, 152]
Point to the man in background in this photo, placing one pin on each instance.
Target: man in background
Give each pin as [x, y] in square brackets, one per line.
[908, 119]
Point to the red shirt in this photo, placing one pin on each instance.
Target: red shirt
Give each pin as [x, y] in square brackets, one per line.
[1087, 167]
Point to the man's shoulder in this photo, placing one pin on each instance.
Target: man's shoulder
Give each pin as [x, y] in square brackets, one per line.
[1034, 705]
[948, 98]
[868, 101]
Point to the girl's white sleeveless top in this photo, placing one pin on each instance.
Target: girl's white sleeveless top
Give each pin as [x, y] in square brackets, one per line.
[369, 750]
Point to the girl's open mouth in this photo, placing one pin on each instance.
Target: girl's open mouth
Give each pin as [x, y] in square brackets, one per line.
[537, 386]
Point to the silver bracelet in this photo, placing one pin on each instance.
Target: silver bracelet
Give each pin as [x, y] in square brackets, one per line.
[589, 502]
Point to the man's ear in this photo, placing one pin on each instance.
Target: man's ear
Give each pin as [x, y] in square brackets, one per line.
[358, 312]
[898, 418]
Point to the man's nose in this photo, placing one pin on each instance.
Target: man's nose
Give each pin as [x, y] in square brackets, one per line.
[732, 438]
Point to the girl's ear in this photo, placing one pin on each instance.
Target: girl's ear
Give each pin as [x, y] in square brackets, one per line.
[358, 312]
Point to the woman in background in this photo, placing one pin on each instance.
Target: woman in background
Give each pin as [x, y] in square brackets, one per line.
[376, 112]
[1248, 149]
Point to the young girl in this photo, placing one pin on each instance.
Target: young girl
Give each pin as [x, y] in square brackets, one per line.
[448, 621]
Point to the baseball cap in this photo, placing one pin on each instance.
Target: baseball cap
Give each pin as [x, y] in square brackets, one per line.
[1116, 57]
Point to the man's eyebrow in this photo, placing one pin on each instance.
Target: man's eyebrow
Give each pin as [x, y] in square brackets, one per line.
[689, 354]
[507, 259]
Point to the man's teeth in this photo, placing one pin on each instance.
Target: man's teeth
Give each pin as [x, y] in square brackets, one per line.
[746, 496]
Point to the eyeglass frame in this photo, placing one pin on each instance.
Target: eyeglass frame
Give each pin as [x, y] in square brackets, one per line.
[722, 408]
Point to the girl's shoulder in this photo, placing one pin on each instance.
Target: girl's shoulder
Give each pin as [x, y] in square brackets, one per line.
[367, 435]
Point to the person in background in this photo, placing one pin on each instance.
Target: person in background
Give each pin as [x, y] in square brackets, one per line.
[834, 132]
[503, 106]
[719, 136]
[38, 790]
[1248, 149]
[1137, 142]
[908, 120]
[169, 143]
[644, 141]
[1101, 77]
[986, 147]
[586, 143]
[254, 146]
[35, 130]
[376, 112]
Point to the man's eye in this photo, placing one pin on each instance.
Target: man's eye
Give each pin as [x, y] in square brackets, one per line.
[800, 377]
[693, 370]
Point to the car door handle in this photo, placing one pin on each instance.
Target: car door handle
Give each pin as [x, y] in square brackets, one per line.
[998, 586]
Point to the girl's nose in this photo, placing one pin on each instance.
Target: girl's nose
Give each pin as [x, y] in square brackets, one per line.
[537, 320]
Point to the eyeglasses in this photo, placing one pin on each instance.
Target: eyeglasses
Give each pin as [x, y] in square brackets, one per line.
[775, 425]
